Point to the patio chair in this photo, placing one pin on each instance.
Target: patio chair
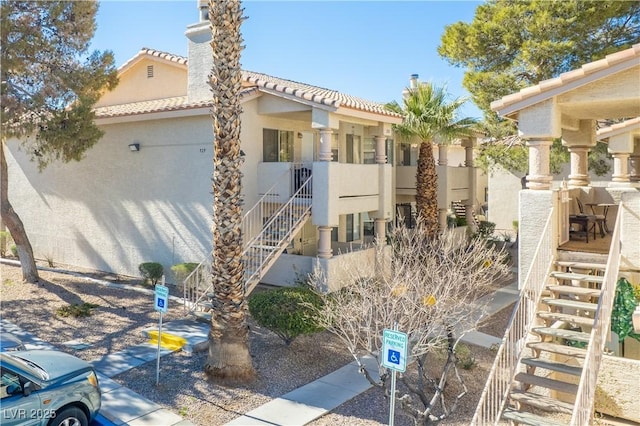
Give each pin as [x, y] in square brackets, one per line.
[598, 219]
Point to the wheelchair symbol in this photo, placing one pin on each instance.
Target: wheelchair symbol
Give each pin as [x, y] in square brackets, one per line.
[393, 357]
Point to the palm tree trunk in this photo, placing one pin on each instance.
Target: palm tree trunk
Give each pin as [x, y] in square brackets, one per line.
[427, 189]
[229, 356]
[15, 226]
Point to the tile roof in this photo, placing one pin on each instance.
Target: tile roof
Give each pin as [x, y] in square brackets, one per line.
[263, 82]
[568, 77]
[627, 125]
[156, 105]
[145, 51]
[314, 94]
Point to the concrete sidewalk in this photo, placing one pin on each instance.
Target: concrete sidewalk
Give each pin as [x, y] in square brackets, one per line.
[121, 406]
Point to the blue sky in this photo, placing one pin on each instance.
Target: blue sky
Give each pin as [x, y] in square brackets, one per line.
[364, 48]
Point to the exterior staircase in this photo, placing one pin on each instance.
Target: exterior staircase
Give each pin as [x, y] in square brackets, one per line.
[268, 229]
[546, 368]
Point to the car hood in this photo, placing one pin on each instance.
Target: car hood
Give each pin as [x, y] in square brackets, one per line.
[57, 364]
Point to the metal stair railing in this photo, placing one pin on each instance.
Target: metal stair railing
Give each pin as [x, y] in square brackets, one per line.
[583, 406]
[496, 391]
[252, 221]
[197, 284]
[276, 234]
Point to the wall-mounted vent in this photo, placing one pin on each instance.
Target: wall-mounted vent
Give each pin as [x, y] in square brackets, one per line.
[149, 71]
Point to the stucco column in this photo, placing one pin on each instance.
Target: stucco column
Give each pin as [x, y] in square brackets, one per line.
[579, 175]
[325, 145]
[324, 242]
[443, 160]
[634, 168]
[539, 176]
[380, 229]
[468, 155]
[442, 219]
[620, 167]
[381, 156]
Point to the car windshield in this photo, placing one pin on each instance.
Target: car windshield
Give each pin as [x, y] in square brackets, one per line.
[33, 367]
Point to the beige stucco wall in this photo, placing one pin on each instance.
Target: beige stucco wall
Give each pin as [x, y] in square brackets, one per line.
[617, 388]
[117, 208]
[504, 188]
[169, 80]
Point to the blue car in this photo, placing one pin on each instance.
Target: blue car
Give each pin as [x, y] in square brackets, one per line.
[47, 388]
[9, 342]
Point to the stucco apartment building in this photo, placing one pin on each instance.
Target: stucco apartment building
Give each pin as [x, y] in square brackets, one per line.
[324, 162]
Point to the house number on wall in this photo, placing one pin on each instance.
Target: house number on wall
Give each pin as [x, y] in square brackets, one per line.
[203, 149]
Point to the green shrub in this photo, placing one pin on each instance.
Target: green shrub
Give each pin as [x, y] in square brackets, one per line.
[14, 250]
[485, 229]
[465, 357]
[5, 240]
[151, 271]
[182, 271]
[289, 311]
[76, 310]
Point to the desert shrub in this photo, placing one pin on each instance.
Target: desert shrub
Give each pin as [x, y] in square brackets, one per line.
[76, 310]
[5, 240]
[151, 271]
[466, 360]
[14, 250]
[289, 311]
[485, 229]
[182, 271]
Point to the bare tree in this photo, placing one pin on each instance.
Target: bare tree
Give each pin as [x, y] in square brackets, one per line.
[430, 288]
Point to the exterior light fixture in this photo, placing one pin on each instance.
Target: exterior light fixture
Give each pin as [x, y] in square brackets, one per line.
[134, 147]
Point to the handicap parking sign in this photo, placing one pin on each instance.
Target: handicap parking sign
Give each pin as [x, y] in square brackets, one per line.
[394, 356]
[394, 350]
[161, 298]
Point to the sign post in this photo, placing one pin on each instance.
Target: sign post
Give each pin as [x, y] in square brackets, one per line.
[394, 357]
[161, 303]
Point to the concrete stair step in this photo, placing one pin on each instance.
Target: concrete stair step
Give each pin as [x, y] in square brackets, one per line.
[543, 382]
[574, 304]
[578, 291]
[553, 366]
[577, 336]
[541, 402]
[578, 277]
[526, 418]
[558, 349]
[581, 265]
[570, 319]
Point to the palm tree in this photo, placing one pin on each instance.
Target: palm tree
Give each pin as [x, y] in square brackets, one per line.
[229, 356]
[428, 113]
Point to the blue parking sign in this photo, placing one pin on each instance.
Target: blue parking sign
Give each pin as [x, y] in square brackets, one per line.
[161, 298]
[393, 357]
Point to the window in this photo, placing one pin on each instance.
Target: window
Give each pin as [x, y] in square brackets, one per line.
[353, 149]
[369, 156]
[277, 145]
[353, 227]
[335, 147]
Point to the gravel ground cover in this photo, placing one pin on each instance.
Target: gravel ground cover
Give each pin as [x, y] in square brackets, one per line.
[121, 315]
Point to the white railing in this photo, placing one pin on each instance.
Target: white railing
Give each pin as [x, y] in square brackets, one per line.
[496, 391]
[198, 283]
[583, 406]
[253, 220]
[276, 234]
